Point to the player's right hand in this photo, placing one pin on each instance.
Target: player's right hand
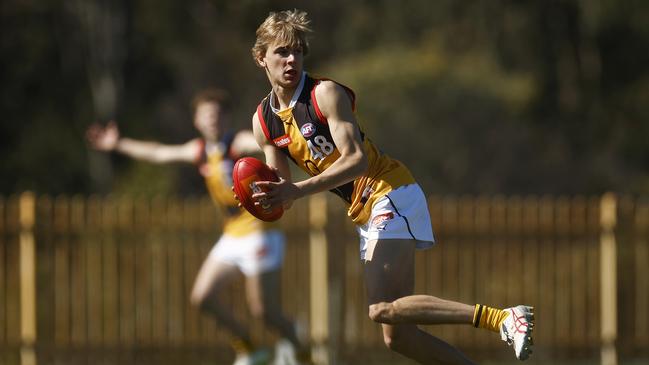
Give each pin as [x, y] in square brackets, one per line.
[236, 197]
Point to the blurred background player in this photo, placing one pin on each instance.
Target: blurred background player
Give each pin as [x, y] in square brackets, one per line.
[247, 246]
[312, 122]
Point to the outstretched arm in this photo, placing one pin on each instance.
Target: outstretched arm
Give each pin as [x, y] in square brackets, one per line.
[108, 139]
[245, 144]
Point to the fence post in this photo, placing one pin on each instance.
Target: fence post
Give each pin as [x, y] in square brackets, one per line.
[319, 286]
[608, 278]
[27, 216]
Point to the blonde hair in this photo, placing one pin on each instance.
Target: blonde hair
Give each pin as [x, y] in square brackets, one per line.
[289, 27]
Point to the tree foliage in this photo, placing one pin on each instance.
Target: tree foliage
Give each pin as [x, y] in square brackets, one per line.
[474, 96]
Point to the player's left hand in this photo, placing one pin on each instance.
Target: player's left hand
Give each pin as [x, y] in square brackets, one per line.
[282, 192]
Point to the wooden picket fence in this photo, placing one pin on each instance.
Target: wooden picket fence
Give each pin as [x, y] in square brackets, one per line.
[113, 274]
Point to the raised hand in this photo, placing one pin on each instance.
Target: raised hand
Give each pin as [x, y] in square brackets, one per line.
[103, 138]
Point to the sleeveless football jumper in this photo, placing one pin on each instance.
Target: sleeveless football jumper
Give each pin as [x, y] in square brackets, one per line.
[302, 133]
[215, 163]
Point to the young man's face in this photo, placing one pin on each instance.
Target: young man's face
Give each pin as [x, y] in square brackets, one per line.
[208, 119]
[283, 64]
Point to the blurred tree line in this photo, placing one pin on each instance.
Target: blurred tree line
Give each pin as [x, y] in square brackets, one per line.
[546, 96]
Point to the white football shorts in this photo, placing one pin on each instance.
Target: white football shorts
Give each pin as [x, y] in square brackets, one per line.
[253, 254]
[401, 214]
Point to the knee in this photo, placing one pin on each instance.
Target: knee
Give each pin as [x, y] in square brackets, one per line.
[382, 312]
[200, 299]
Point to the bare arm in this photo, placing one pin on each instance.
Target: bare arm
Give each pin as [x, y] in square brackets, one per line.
[274, 157]
[336, 107]
[245, 144]
[108, 139]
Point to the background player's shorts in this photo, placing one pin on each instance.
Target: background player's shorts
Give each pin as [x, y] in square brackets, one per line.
[401, 214]
[255, 253]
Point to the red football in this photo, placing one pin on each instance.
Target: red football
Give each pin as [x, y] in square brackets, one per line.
[247, 171]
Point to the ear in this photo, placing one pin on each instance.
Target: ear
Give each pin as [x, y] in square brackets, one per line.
[261, 62]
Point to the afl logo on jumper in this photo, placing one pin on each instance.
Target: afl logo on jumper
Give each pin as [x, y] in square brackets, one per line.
[307, 130]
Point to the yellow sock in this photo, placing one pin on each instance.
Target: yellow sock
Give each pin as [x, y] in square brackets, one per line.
[304, 356]
[489, 318]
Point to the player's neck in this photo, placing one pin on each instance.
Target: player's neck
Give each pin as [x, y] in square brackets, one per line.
[283, 96]
[212, 139]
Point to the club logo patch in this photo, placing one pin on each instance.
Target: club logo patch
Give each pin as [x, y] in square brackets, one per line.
[381, 219]
[282, 141]
[307, 130]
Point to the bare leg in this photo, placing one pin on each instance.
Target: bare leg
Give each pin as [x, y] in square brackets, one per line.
[389, 275]
[264, 300]
[422, 309]
[206, 293]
